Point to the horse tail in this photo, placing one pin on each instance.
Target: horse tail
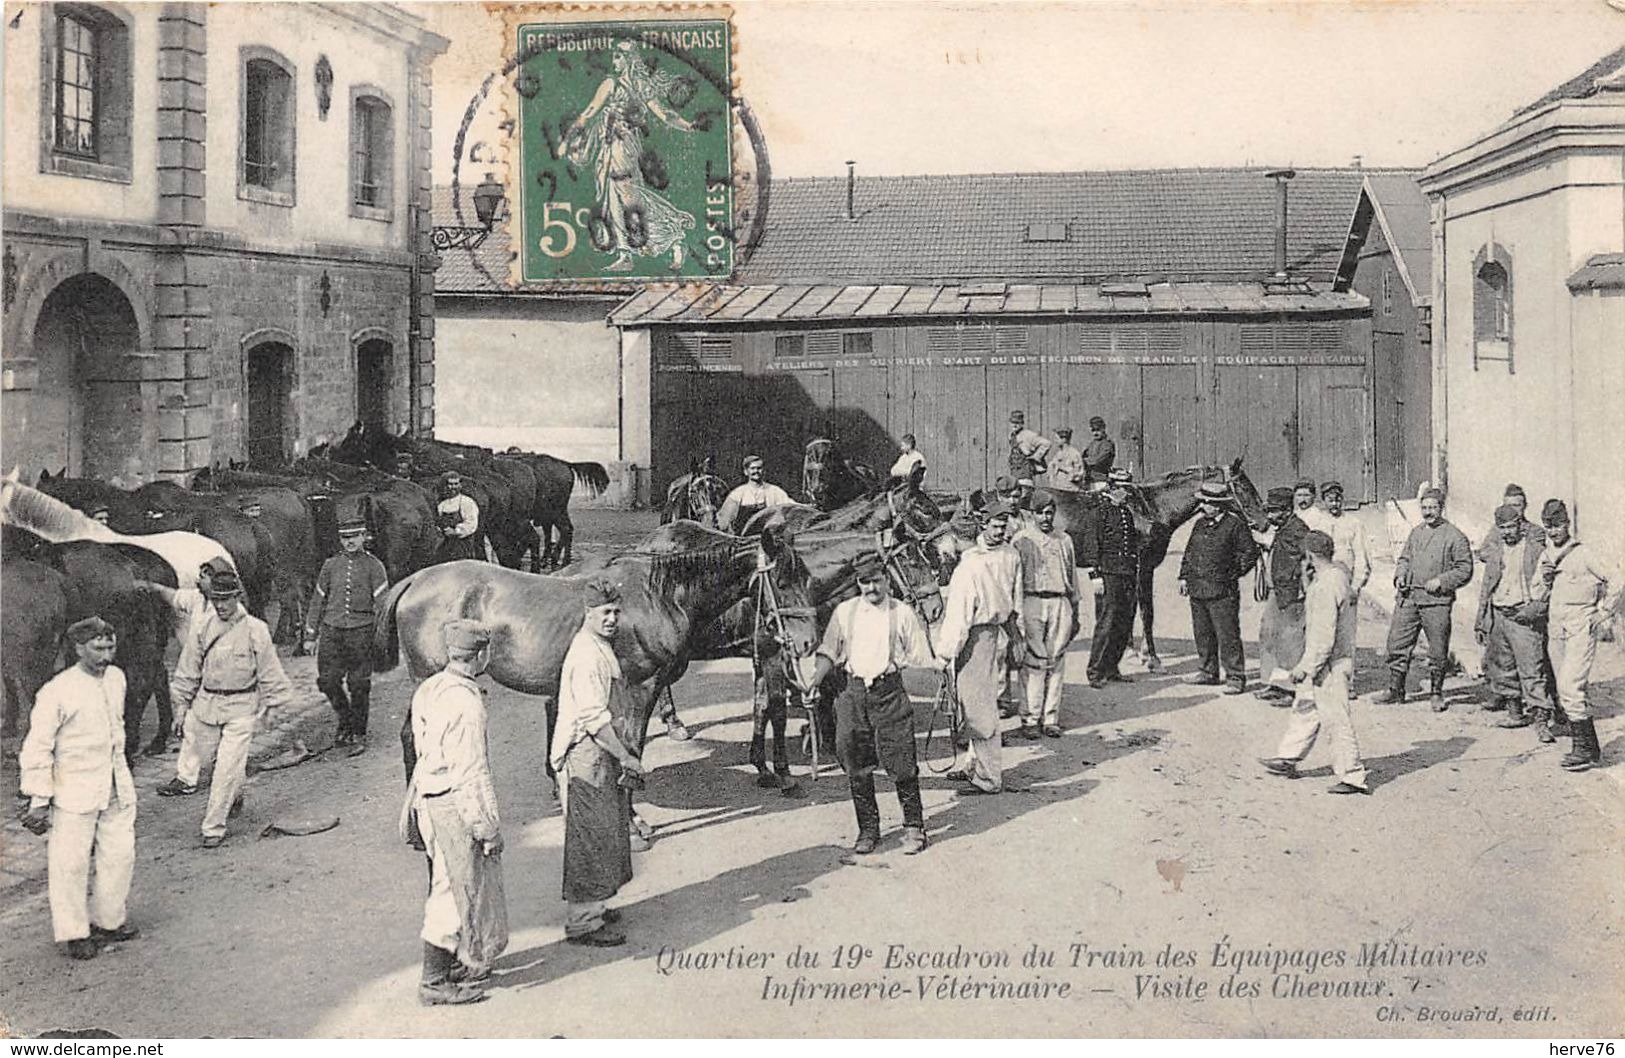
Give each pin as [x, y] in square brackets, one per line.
[386, 640]
[591, 476]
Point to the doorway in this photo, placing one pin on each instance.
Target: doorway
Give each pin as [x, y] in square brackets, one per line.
[269, 385]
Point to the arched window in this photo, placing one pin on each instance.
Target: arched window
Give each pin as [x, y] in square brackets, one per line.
[1492, 306]
[86, 113]
[372, 154]
[266, 170]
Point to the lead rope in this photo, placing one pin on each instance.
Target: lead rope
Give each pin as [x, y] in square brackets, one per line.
[767, 601]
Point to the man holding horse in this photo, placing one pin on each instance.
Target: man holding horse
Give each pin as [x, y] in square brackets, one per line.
[459, 520]
[453, 802]
[1111, 553]
[342, 607]
[228, 678]
[596, 773]
[1051, 608]
[750, 498]
[80, 789]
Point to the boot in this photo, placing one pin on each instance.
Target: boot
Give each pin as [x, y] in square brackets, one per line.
[1543, 725]
[1515, 717]
[868, 812]
[437, 988]
[1585, 752]
[1560, 721]
[1395, 694]
[1436, 698]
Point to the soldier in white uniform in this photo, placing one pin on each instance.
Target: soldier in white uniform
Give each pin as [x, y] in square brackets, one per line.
[1050, 607]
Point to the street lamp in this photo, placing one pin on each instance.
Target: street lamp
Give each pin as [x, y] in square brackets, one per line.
[488, 198]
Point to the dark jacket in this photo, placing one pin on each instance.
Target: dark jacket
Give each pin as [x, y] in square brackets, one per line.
[1440, 551]
[1286, 562]
[1494, 569]
[1217, 556]
[1111, 542]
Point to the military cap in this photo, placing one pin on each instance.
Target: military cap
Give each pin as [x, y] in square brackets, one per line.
[748, 460]
[1043, 498]
[225, 585]
[465, 635]
[1213, 491]
[1002, 483]
[1096, 423]
[1064, 433]
[88, 628]
[1120, 475]
[1514, 489]
[1018, 418]
[1507, 514]
[451, 477]
[1330, 487]
[1316, 542]
[869, 566]
[997, 509]
[217, 565]
[964, 522]
[1304, 483]
[1279, 499]
[600, 591]
[1554, 512]
[352, 527]
[1434, 494]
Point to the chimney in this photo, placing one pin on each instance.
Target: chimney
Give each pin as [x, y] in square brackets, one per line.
[1280, 176]
[851, 190]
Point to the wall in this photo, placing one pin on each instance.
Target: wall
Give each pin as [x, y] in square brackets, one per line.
[1402, 369]
[1599, 360]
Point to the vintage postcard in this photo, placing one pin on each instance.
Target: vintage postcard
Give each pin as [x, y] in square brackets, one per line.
[864, 520]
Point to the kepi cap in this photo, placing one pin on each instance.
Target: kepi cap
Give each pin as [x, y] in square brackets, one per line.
[1002, 483]
[1018, 417]
[997, 509]
[1043, 498]
[1279, 499]
[352, 527]
[88, 628]
[1304, 483]
[1330, 487]
[1554, 512]
[1433, 494]
[215, 566]
[1506, 514]
[225, 585]
[1096, 423]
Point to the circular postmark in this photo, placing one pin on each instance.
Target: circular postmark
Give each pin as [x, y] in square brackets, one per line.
[621, 163]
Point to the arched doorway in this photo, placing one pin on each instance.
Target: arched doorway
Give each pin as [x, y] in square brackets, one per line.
[86, 412]
[374, 373]
[269, 384]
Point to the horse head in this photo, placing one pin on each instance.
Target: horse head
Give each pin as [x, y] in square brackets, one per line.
[706, 493]
[1246, 494]
[814, 478]
[784, 587]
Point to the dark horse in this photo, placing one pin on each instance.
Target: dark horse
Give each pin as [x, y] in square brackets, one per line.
[533, 617]
[830, 480]
[694, 497]
[32, 620]
[1160, 507]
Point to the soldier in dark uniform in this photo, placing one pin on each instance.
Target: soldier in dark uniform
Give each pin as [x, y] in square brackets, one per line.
[1281, 625]
[1111, 550]
[1099, 454]
[339, 628]
[1219, 553]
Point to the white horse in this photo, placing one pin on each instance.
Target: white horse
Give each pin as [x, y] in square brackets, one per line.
[54, 521]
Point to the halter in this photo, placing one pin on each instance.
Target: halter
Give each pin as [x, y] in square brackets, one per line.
[891, 555]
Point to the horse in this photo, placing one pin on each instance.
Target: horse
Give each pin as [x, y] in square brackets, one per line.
[32, 622]
[556, 480]
[56, 522]
[533, 617]
[1160, 507]
[830, 480]
[694, 497]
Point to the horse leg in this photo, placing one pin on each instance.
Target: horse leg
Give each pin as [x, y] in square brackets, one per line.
[758, 734]
[136, 693]
[567, 534]
[166, 710]
[1147, 603]
[778, 714]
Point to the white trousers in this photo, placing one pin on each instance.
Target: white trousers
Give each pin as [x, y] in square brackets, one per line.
[1572, 656]
[442, 922]
[226, 745]
[1326, 703]
[78, 839]
[1049, 623]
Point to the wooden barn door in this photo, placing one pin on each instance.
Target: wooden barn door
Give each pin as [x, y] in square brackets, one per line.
[1333, 419]
[1257, 419]
[1171, 406]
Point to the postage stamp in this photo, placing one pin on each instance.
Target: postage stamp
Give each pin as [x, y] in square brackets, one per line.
[623, 155]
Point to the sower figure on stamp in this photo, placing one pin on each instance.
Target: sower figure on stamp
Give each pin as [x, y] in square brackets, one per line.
[590, 757]
[1509, 625]
[874, 637]
[79, 787]
[1323, 675]
[453, 803]
[459, 520]
[1111, 554]
[981, 618]
[342, 608]
[1582, 591]
[1280, 625]
[1219, 553]
[228, 678]
[1050, 610]
[1435, 562]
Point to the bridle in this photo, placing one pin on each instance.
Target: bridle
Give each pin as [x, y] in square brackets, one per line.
[769, 621]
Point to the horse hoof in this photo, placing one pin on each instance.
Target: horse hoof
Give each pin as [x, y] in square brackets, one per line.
[767, 780]
[1153, 664]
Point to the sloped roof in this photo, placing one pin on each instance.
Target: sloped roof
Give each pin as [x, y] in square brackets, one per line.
[1606, 74]
[1198, 224]
[1402, 210]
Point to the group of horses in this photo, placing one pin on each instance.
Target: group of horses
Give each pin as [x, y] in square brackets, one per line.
[275, 527]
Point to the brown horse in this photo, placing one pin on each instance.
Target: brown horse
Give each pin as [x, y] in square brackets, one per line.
[533, 618]
[830, 480]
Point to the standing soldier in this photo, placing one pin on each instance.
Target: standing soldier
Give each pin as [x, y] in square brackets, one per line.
[747, 500]
[1303, 506]
[1435, 562]
[1067, 472]
[191, 607]
[1098, 455]
[1324, 673]
[1219, 553]
[910, 465]
[1050, 608]
[1280, 626]
[1582, 591]
[1514, 496]
[453, 801]
[590, 757]
[1508, 625]
[1029, 452]
[342, 608]
[1348, 538]
[459, 519]
[982, 617]
[1111, 554]
[79, 788]
[227, 678]
[874, 637]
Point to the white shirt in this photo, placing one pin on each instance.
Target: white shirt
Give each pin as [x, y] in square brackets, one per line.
[585, 686]
[750, 494]
[872, 640]
[1316, 518]
[1349, 548]
[73, 757]
[985, 589]
[467, 509]
[448, 731]
[906, 463]
[1511, 591]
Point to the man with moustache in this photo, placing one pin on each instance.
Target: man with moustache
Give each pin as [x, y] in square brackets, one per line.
[1111, 554]
[1219, 553]
[1050, 611]
[1435, 562]
[1509, 625]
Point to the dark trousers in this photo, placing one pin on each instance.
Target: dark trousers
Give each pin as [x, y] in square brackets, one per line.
[344, 657]
[1114, 624]
[1410, 621]
[1216, 624]
[874, 726]
[1515, 660]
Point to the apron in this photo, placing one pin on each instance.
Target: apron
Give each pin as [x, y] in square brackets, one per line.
[597, 820]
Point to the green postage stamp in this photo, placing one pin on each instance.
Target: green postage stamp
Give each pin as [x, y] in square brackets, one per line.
[625, 142]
